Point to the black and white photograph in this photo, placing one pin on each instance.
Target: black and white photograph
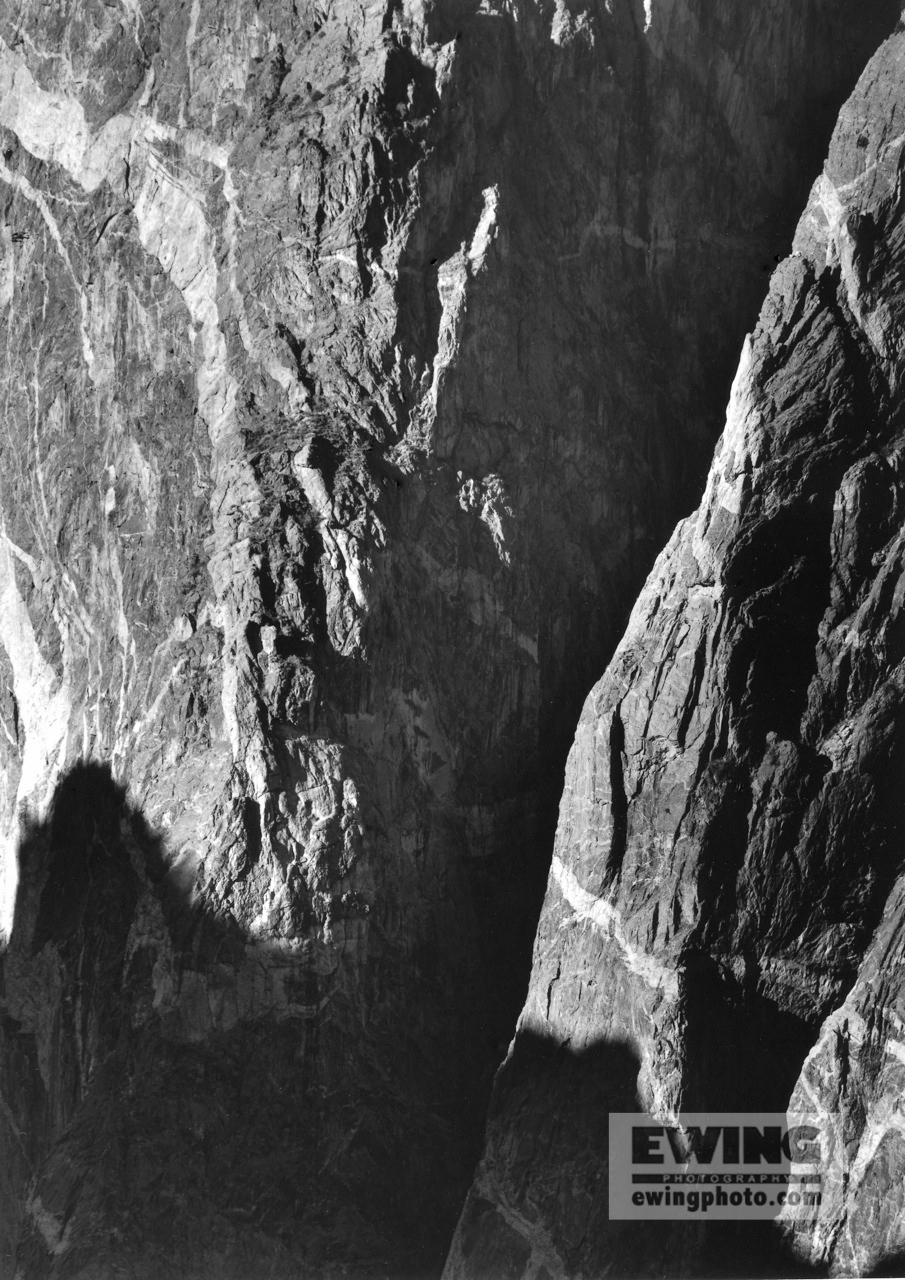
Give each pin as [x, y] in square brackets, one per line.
[452, 639]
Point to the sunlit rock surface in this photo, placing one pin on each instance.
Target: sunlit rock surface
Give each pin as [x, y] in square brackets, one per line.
[724, 913]
[356, 361]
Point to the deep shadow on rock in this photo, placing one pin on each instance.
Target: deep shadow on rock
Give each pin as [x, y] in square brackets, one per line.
[890, 1268]
[142, 1133]
[744, 1051]
[140, 1136]
[539, 1206]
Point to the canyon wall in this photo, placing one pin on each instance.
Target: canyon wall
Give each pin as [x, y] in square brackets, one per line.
[723, 924]
[357, 359]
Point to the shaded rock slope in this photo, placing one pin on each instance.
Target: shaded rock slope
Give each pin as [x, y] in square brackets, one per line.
[356, 359]
[723, 924]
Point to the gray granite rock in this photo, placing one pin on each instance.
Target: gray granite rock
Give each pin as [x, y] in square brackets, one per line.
[722, 929]
[357, 358]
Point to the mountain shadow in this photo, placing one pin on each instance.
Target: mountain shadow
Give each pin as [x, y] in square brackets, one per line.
[171, 1102]
[171, 1099]
[545, 1177]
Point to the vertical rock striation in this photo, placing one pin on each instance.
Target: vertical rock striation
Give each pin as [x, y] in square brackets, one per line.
[723, 923]
[355, 358]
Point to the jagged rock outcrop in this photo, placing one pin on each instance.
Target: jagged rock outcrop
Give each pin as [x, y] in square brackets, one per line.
[356, 358]
[724, 910]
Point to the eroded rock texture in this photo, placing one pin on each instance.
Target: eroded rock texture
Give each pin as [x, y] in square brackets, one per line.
[724, 914]
[356, 357]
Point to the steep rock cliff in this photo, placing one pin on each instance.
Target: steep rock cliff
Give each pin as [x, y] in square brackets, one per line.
[356, 358]
[723, 924]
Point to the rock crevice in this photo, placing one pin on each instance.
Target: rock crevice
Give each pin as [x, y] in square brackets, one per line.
[759, 687]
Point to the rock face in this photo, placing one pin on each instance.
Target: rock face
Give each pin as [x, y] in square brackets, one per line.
[356, 358]
[723, 924]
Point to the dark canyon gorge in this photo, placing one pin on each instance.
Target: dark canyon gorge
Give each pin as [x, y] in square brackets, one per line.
[358, 363]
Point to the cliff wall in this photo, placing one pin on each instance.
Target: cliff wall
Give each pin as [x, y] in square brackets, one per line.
[722, 928]
[357, 359]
